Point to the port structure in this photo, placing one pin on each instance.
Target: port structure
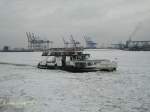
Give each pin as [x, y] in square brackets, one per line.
[72, 43]
[35, 43]
[90, 44]
[137, 45]
[134, 44]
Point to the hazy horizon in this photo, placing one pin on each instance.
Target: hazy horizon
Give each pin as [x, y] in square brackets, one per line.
[106, 21]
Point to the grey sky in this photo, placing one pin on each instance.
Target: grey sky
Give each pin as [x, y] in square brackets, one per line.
[105, 20]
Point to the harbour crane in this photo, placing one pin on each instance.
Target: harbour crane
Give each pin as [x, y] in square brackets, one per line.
[35, 43]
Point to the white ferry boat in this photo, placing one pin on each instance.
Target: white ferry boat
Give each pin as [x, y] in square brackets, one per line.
[74, 60]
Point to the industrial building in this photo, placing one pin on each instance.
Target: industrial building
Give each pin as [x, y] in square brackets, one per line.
[138, 45]
[134, 45]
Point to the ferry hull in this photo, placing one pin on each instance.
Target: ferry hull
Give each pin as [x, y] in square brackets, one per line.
[76, 70]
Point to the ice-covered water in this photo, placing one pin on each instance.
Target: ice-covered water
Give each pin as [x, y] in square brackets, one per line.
[24, 88]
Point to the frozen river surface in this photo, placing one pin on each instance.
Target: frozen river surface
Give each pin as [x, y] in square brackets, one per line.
[24, 88]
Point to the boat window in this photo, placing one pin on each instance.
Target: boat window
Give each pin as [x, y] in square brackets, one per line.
[78, 58]
[89, 64]
[84, 57]
[67, 58]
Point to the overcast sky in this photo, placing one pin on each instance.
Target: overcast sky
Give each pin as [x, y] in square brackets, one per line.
[107, 21]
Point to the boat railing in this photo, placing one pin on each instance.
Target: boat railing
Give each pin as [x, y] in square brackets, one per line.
[67, 49]
[62, 51]
[93, 61]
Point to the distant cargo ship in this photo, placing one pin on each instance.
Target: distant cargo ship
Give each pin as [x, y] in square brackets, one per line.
[90, 44]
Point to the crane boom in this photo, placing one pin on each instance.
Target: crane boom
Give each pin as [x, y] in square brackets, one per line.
[135, 30]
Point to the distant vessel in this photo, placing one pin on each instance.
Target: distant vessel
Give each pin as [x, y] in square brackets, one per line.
[90, 44]
[74, 60]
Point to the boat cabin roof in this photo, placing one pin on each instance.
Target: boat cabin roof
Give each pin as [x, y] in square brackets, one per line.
[62, 53]
[67, 49]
